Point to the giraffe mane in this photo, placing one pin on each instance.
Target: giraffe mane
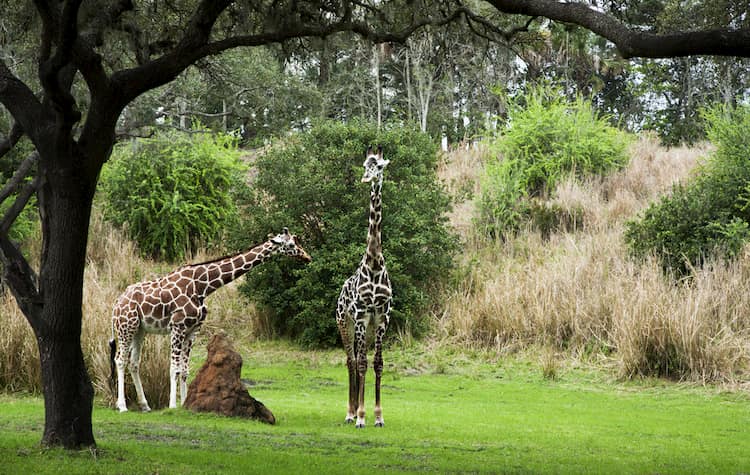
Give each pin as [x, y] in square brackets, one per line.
[217, 259]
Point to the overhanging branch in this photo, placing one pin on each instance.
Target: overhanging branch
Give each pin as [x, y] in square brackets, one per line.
[633, 42]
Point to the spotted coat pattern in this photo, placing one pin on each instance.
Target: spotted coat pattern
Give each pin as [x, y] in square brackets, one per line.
[175, 304]
[365, 302]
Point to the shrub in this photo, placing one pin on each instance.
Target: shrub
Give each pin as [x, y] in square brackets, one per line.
[311, 183]
[173, 192]
[547, 139]
[709, 215]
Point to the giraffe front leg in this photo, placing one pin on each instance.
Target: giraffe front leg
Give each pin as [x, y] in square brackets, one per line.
[360, 330]
[378, 369]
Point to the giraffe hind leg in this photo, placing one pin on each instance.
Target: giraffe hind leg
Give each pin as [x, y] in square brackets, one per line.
[135, 373]
[360, 333]
[124, 335]
[177, 338]
[346, 339]
[185, 365]
[378, 369]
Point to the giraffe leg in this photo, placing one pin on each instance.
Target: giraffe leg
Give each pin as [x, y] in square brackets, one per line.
[124, 335]
[360, 330]
[378, 369]
[177, 337]
[135, 364]
[185, 365]
[351, 367]
[121, 361]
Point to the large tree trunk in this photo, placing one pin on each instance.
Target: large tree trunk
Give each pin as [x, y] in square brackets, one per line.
[65, 206]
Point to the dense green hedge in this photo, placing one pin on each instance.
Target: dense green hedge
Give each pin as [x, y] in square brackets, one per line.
[174, 192]
[547, 139]
[709, 215]
[311, 183]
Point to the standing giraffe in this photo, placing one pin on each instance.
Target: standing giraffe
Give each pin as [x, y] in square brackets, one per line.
[365, 300]
[174, 304]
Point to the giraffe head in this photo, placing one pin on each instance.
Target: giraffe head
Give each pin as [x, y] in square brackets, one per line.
[287, 244]
[374, 165]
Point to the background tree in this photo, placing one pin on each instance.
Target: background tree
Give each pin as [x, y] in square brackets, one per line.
[314, 180]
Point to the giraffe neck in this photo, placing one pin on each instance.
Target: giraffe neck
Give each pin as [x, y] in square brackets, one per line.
[374, 255]
[224, 271]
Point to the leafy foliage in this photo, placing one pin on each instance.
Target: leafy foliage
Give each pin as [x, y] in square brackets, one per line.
[710, 215]
[547, 139]
[311, 183]
[173, 192]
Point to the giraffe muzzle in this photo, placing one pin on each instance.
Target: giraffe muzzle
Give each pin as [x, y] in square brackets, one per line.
[305, 257]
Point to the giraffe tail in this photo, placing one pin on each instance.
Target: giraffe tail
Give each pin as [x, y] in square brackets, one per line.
[112, 353]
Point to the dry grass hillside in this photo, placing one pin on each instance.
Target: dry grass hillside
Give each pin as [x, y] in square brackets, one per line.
[577, 294]
[574, 294]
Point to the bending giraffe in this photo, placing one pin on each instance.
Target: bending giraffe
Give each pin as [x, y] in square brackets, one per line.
[365, 301]
[174, 304]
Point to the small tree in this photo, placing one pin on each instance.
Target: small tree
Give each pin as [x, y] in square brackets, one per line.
[174, 191]
[709, 215]
[311, 183]
[547, 139]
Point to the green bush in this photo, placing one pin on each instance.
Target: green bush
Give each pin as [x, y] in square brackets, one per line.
[709, 215]
[311, 183]
[173, 192]
[547, 139]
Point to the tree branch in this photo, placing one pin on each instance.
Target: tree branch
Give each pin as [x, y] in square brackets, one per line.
[16, 132]
[23, 169]
[18, 205]
[22, 280]
[133, 82]
[66, 32]
[630, 41]
[23, 105]
[18, 274]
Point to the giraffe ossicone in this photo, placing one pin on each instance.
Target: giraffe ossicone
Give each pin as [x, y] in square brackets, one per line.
[365, 301]
[175, 304]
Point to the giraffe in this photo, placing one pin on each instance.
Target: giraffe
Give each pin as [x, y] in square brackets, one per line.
[174, 304]
[365, 300]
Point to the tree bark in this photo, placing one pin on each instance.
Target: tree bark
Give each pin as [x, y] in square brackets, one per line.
[65, 199]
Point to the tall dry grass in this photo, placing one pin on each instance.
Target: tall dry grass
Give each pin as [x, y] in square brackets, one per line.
[579, 292]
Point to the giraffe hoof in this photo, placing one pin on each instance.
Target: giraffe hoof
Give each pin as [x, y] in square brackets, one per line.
[349, 420]
[380, 424]
[145, 409]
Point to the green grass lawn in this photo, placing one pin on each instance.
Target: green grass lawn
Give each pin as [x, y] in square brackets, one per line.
[477, 417]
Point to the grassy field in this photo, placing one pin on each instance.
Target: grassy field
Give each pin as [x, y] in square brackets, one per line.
[444, 413]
